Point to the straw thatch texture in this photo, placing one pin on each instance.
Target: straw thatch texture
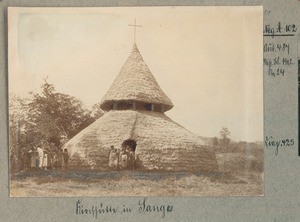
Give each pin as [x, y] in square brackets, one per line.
[135, 83]
[161, 143]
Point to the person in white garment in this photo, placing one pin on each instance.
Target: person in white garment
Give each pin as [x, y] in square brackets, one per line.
[123, 160]
[113, 158]
[45, 161]
[40, 156]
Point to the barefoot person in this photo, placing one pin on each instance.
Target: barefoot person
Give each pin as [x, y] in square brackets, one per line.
[110, 157]
[113, 158]
[40, 157]
[27, 159]
[123, 160]
[33, 158]
[131, 159]
[45, 161]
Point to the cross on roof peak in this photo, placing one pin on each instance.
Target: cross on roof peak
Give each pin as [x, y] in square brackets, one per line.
[135, 25]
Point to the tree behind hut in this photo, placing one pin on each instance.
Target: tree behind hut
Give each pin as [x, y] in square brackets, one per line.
[58, 115]
[96, 111]
[215, 142]
[46, 118]
[225, 137]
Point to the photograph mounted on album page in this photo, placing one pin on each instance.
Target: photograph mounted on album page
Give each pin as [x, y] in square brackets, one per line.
[135, 101]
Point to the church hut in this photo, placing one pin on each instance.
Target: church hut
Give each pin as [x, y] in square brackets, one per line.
[135, 108]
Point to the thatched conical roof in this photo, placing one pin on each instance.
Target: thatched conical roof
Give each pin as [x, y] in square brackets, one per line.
[162, 144]
[135, 82]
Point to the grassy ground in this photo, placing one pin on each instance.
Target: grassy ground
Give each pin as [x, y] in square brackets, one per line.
[126, 183]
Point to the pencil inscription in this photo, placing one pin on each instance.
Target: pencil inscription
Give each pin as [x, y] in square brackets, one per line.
[270, 142]
[142, 207]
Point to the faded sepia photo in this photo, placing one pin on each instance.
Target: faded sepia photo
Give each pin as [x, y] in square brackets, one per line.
[135, 101]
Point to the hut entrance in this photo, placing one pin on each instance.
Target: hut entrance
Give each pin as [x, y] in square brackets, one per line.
[127, 155]
[130, 144]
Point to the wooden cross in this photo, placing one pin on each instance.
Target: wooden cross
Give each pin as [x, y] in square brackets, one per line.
[135, 25]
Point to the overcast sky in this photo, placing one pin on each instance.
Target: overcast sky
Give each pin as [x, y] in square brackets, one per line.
[208, 60]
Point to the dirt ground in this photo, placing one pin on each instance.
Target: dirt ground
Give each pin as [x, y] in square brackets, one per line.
[126, 183]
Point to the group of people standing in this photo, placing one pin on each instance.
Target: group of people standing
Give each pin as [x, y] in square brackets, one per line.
[45, 159]
[122, 159]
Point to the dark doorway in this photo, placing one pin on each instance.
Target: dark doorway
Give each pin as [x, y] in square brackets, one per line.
[129, 142]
